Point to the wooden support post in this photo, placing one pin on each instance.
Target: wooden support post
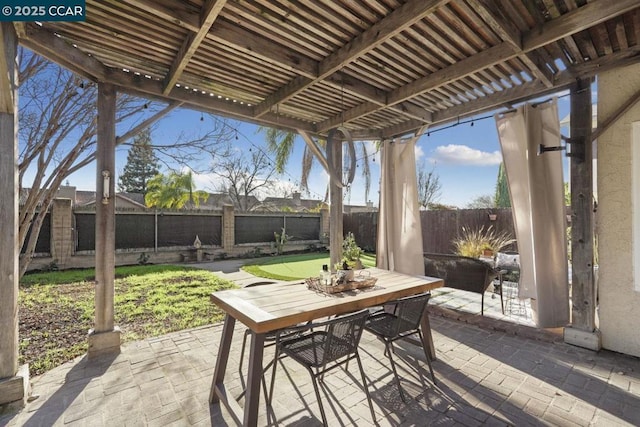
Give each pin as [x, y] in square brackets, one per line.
[14, 381]
[583, 294]
[105, 337]
[335, 199]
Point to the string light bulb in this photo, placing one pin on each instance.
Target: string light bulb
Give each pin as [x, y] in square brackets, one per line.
[201, 117]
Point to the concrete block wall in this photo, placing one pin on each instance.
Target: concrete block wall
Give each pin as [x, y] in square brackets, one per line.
[64, 256]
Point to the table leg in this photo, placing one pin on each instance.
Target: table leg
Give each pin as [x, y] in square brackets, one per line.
[427, 339]
[254, 377]
[223, 357]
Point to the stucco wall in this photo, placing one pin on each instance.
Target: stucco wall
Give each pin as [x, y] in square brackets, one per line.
[619, 303]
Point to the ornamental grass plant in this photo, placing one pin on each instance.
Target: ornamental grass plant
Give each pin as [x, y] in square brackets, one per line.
[472, 242]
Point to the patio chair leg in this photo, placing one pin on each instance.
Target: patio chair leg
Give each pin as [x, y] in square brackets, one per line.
[389, 346]
[366, 388]
[426, 353]
[269, 396]
[317, 390]
[482, 305]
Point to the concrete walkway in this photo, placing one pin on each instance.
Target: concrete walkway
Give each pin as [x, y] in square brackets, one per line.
[489, 372]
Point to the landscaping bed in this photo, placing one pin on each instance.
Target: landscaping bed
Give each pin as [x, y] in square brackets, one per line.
[56, 310]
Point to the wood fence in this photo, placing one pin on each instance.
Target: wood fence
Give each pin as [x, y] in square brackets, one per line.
[439, 227]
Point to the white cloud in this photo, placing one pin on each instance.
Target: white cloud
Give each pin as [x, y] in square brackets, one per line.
[419, 152]
[454, 154]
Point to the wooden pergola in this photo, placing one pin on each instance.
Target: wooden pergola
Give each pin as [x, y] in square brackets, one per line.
[380, 69]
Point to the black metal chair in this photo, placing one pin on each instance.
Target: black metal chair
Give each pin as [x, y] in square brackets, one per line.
[323, 346]
[399, 319]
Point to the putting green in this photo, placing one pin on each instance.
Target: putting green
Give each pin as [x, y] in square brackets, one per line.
[293, 267]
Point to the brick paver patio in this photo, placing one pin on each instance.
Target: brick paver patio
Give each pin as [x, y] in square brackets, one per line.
[485, 377]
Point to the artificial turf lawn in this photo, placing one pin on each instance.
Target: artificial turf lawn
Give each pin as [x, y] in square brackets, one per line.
[294, 267]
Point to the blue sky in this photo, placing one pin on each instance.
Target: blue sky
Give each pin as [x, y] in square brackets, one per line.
[465, 157]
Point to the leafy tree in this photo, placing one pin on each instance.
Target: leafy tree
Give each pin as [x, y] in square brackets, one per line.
[243, 176]
[57, 136]
[142, 165]
[174, 191]
[429, 187]
[502, 198]
[480, 202]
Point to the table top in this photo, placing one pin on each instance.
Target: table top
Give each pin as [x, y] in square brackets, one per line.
[279, 305]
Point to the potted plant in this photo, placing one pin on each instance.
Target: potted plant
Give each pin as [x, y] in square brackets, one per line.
[487, 252]
[351, 252]
[477, 242]
[344, 273]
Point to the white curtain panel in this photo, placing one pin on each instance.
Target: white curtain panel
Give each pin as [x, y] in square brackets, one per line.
[536, 186]
[399, 246]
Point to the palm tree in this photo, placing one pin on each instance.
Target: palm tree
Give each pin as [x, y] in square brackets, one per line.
[173, 191]
[281, 142]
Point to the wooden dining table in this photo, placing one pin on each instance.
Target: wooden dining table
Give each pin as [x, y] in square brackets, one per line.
[267, 308]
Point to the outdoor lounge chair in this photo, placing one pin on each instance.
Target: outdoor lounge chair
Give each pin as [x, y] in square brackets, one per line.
[399, 319]
[461, 272]
[323, 346]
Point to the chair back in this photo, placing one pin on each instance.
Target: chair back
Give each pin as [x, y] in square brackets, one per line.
[343, 335]
[409, 311]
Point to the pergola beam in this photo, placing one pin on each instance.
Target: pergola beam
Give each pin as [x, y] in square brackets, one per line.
[40, 41]
[61, 52]
[508, 32]
[609, 121]
[566, 25]
[180, 17]
[315, 149]
[147, 122]
[507, 98]
[373, 99]
[400, 19]
[306, 68]
[575, 21]
[463, 68]
[210, 12]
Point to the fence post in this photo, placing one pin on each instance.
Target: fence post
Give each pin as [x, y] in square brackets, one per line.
[228, 228]
[61, 231]
[324, 224]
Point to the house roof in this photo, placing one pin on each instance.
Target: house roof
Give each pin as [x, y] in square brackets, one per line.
[215, 200]
[378, 68]
[296, 204]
